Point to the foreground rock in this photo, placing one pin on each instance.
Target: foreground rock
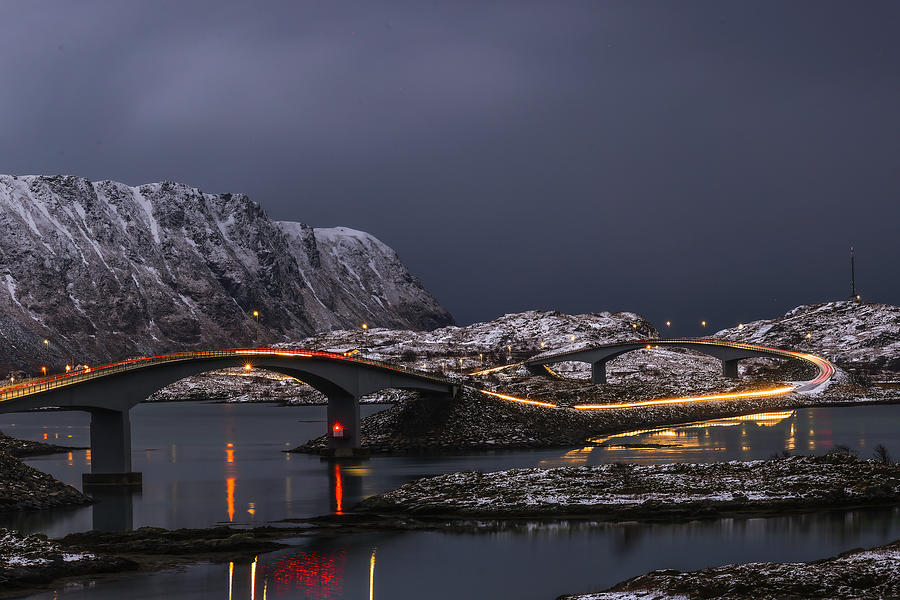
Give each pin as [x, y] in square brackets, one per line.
[33, 560]
[860, 574]
[25, 488]
[651, 492]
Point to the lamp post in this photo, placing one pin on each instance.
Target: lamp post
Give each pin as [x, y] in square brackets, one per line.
[256, 316]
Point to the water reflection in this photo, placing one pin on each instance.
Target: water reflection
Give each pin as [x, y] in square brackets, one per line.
[309, 574]
[114, 508]
[195, 456]
[540, 559]
[736, 437]
[345, 480]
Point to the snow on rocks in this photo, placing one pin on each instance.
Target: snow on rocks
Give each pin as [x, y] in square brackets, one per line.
[651, 492]
[860, 337]
[870, 574]
[107, 270]
[33, 560]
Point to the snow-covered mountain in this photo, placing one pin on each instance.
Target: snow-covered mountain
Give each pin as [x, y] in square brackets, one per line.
[860, 337]
[104, 270]
[516, 334]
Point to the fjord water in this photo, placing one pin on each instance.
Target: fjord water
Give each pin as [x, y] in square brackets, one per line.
[206, 463]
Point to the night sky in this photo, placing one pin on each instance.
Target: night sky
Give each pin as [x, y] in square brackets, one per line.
[685, 160]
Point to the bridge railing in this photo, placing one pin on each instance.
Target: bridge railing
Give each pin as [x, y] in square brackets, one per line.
[66, 379]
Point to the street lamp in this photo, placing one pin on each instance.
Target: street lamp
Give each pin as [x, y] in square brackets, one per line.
[256, 316]
[703, 323]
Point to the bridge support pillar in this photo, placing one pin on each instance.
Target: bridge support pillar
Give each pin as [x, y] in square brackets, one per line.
[536, 369]
[343, 425]
[110, 450]
[598, 372]
[730, 369]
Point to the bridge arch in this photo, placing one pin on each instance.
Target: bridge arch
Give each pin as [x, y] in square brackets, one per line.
[108, 393]
[730, 353]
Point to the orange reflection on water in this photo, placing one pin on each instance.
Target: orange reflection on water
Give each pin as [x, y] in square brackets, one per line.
[229, 497]
[229, 452]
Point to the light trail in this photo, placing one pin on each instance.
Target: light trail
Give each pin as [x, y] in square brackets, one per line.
[490, 370]
[520, 400]
[688, 400]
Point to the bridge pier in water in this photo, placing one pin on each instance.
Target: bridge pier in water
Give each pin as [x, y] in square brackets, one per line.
[730, 369]
[598, 372]
[110, 449]
[343, 425]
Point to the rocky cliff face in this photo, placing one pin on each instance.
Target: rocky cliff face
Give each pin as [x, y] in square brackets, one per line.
[104, 270]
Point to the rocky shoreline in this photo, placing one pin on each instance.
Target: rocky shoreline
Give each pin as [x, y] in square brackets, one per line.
[870, 574]
[667, 492]
[28, 563]
[474, 421]
[26, 488]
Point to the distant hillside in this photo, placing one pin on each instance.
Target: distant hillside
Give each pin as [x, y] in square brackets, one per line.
[104, 270]
[862, 338]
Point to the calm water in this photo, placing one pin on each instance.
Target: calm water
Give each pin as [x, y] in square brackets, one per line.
[218, 463]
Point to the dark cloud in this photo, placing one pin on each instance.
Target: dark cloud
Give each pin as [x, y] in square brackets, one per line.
[687, 160]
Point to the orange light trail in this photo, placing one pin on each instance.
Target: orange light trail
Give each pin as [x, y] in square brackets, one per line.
[521, 400]
[495, 369]
[756, 394]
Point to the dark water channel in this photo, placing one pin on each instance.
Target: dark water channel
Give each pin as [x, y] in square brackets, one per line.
[205, 464]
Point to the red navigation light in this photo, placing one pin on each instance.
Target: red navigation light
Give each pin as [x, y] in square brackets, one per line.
[337, 430]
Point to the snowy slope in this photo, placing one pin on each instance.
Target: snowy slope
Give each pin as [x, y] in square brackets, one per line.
[860, 337]
[105, 270]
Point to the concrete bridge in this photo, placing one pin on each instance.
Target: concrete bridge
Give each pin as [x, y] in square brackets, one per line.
[110, 391]
[730, 353]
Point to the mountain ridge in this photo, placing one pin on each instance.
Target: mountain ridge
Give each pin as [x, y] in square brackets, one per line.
[105, 270]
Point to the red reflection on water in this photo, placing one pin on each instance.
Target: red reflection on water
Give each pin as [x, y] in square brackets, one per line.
[313, 574]
[338, 490]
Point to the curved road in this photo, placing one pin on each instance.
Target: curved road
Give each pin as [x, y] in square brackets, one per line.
[826, 371]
